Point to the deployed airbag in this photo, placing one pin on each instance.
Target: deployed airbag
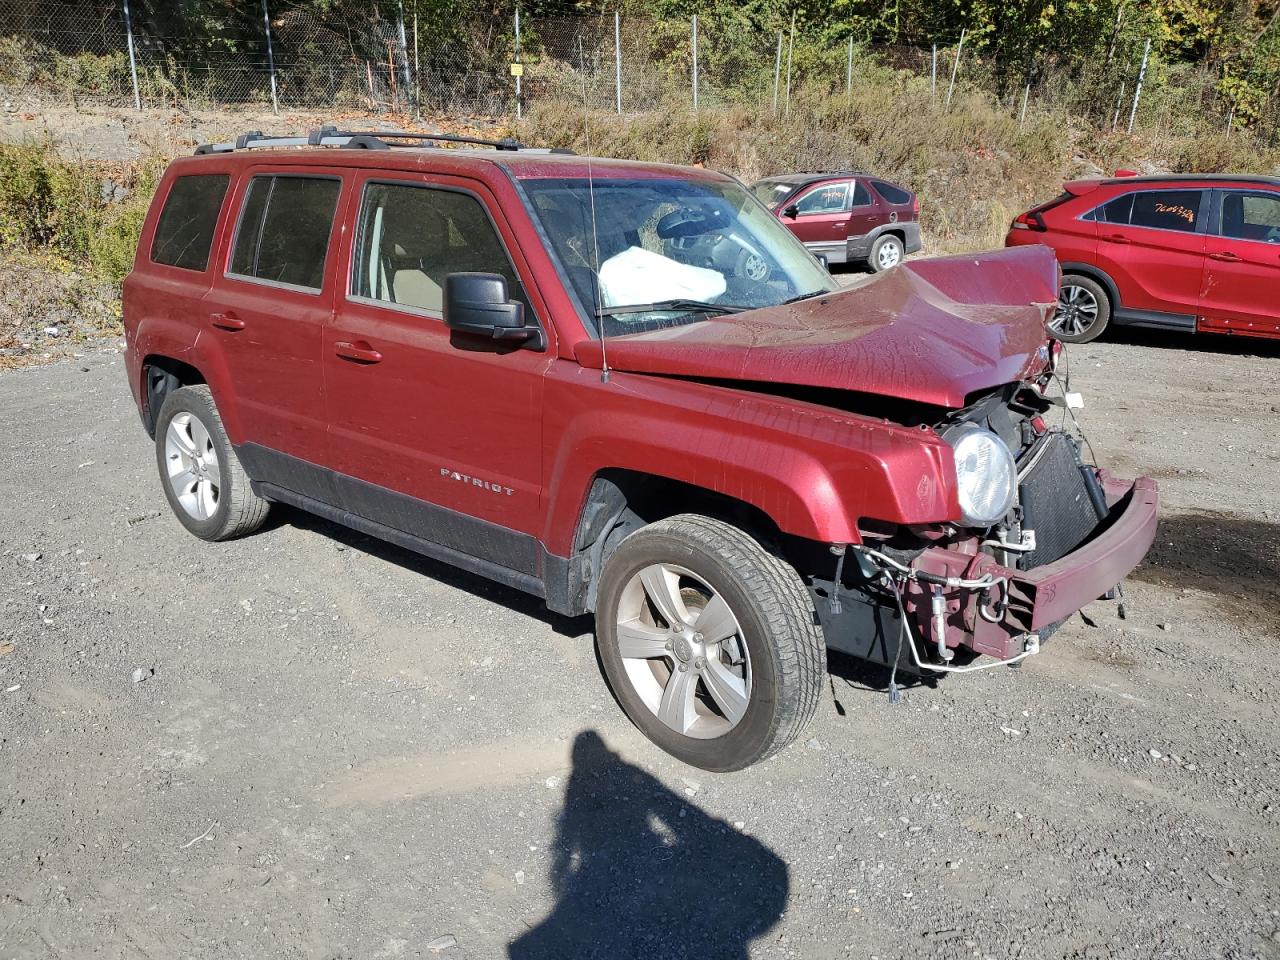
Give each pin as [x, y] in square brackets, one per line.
[638, 276]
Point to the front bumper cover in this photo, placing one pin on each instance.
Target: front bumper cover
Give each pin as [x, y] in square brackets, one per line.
[1039, 599]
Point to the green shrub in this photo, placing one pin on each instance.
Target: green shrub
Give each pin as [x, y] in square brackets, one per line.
[52, 205]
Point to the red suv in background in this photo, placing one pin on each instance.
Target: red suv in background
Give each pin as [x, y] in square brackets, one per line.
[846, 217]
[1195, 253]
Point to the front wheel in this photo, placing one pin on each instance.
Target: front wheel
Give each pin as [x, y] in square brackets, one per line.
[1084, 310]
[710, 643]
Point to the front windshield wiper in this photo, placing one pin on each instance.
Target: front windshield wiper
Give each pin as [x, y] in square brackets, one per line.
[805, 296]
[662, 306]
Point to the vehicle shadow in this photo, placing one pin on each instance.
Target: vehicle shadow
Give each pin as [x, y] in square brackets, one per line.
[1235, 558]
[1200, 343]
[641, 872]
[517, 600]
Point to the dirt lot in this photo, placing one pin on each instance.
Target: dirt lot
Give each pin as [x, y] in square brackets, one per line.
[338, 749]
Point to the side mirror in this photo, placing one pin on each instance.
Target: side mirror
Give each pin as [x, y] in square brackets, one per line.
[477, 304]
[791, 211]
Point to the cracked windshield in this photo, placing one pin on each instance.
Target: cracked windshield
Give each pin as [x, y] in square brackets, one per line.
[670, 251]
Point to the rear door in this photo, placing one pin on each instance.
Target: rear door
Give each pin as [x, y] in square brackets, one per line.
[1152, 244]
[435, 433]
[822, 219]
[267, 314]
[1242, 267]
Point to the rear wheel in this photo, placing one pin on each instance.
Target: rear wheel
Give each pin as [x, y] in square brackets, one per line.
[886, 252]
[1084, 310]
[206, 487]
[709, 642]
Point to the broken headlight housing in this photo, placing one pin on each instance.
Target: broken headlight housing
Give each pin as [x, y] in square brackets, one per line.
[986, 477]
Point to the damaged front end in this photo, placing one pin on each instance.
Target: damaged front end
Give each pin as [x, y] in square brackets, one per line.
[1066, 533]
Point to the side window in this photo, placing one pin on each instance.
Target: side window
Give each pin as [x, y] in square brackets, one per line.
[1114, 211]
[1166, 209]
[184, 232]
[411, 237]
[284, 229]
[891, 193]
[861, 195]
[1251, 216]
[829, 198]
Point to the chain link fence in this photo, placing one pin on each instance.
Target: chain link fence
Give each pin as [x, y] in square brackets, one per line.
[89, 52]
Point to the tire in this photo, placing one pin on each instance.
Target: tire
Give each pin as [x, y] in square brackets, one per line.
[207, 488]
[752, 266]
[1084, 310]
[886, 253]
[748, 694]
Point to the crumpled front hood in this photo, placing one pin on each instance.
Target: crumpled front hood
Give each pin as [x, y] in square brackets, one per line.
[932, 331]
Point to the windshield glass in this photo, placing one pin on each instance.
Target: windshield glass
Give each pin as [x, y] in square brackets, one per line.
[670, 251]
[772, 192]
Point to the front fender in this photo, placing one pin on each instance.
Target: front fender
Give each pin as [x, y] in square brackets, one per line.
[814, 472]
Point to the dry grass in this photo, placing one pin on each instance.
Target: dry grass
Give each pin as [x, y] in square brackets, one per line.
[974, 166]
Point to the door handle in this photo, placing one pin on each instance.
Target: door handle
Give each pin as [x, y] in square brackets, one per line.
[1225, 257]
[359, 352]
[1117, 238]
[839, 226]
[226, 321]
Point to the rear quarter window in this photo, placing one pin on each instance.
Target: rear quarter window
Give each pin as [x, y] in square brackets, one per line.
[184, 232]
[891, 193]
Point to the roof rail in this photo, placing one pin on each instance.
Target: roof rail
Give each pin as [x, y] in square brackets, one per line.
[330, 136]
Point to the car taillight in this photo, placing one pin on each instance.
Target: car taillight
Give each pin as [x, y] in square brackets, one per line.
[915, 205]
[1031, 220]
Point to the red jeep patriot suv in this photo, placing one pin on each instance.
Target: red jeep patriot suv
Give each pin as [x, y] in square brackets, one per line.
[516, 362]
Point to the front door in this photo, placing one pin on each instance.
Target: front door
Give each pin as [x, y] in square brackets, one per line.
[435, 434]
[267, 314]
[1242, 266]
[822, 219]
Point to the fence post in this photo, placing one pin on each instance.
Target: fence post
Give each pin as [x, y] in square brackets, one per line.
[695, 61]
[417, 78]
[955, 67]
[777, 73]
[1115, 120]
[1022, 117]
[133, 64]
[617, 58]
[1231, 117]
[404, 51]
[848, 70]
[933, 75]
[791, 43]
[519, 105]
[1137, 91]
[271, 58]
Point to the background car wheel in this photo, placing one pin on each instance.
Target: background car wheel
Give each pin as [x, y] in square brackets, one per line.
[1084, 310]
[752, 266]
[886, 252]
[202, 478]
[710, 643]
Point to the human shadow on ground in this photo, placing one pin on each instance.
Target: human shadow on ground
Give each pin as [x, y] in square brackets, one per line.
[642, 872]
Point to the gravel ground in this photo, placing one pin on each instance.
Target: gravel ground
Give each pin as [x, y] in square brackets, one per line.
[337, 749]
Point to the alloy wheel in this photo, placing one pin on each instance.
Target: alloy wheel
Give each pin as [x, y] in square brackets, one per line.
[683, 651]
[1077, 311]
[889, 255]
[755, 268]
[192, 466]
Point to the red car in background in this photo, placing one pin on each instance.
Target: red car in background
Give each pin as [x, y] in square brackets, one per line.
[1194, 253]
[846, 217]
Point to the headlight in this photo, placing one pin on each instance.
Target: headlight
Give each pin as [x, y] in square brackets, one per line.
[986, 478]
